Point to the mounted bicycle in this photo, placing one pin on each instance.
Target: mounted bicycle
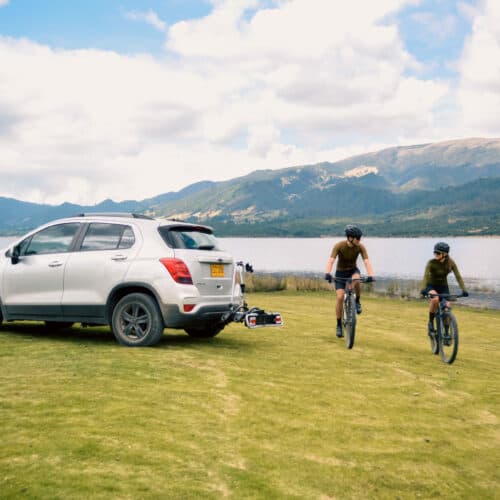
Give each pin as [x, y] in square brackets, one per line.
[349, 308]
[444, 338]
[346, 253]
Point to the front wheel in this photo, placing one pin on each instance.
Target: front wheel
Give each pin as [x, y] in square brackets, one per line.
[448, 338]
[349, 321]
[136, 321]
[434, 341]
[203, 331]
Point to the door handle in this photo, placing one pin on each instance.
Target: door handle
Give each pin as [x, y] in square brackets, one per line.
[119, 257]
[56, 263]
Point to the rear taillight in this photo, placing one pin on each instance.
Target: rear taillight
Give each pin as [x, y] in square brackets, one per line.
[178, 270]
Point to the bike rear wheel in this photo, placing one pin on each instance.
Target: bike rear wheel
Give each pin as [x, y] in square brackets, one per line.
[448, 338]
[349, 321]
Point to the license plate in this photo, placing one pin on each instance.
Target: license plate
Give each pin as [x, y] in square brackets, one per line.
[217, 270]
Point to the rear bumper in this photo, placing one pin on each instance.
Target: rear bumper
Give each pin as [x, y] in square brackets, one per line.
[204, 315]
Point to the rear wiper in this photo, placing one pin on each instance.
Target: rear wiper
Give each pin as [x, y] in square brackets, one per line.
[206, 247]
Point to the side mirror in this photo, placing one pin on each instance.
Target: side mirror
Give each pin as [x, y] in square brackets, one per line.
[14, 255]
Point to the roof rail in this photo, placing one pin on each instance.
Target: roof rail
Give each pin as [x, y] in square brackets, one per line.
[114, 214]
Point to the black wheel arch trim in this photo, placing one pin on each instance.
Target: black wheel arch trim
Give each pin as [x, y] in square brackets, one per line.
[119, 291]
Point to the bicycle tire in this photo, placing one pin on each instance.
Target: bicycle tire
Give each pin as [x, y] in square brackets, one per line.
[448, 338]
[350, 320]
[433, 338]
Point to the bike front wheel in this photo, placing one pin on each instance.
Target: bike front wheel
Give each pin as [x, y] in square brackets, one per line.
[433, 338]
[349, 321]
[448, 338]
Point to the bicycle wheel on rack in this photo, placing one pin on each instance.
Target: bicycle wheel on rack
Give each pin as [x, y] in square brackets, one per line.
[349, 321]
[448, 338]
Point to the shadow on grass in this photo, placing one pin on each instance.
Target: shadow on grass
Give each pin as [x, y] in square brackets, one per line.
[221, 341]
[38, 331]
[103, 335]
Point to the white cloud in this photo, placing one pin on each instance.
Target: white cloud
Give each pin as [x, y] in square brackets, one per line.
[3, 3]
[150, 17]
[479, 89]
[241, 89]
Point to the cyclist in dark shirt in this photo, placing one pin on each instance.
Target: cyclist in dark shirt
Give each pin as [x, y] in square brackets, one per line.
[347, 252]
[435, 278]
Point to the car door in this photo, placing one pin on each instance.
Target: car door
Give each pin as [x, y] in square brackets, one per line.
[32, 287]
[101, 262]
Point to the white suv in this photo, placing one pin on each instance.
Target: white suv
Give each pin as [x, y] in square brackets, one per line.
[135, 273]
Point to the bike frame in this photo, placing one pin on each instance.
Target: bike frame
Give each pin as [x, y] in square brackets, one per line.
[349, 308]
[442, 339]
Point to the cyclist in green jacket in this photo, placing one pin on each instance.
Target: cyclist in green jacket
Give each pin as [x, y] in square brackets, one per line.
[435, 278]
[347, 252]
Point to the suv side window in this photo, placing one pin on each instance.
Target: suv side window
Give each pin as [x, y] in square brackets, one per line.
[54, 239]
[102, 236]
[128, 238]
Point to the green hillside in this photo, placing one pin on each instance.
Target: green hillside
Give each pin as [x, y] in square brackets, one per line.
[264, 208]
[447, 188]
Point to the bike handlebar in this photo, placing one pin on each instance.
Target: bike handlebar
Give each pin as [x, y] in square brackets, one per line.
[363, 279]
[444, 295]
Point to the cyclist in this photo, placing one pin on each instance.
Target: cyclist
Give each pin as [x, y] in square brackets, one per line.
[347, 252]
[435, 278]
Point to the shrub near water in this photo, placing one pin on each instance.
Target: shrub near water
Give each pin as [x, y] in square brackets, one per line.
[268, 413]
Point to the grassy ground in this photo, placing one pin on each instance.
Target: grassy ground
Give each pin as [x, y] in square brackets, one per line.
[268, 413]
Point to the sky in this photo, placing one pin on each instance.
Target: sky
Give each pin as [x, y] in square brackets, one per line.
[128, 99]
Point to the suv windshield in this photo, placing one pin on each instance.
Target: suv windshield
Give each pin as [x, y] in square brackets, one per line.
[191, 238]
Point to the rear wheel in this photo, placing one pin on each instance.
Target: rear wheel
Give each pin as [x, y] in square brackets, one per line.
[349, 321]
[204, 331]
[136, 321]
[448, 338]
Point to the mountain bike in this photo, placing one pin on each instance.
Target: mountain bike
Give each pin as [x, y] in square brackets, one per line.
[444, 339]
[349, 309]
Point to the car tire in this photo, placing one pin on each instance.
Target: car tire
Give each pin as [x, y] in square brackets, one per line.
[58, 325]
[204, 331]
[136, 321]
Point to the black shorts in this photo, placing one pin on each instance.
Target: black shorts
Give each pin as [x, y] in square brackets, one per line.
[440, 289]
[340, 284]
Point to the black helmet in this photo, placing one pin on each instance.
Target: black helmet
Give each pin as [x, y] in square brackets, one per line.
[442, 247]
[353, 231]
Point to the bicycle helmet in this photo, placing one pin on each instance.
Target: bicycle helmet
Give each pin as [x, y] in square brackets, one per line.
[353, 231]
[442, 247]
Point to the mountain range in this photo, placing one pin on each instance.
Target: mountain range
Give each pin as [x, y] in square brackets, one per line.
[444, 188]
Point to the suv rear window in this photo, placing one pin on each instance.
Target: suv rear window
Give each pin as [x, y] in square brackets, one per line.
[191, 238]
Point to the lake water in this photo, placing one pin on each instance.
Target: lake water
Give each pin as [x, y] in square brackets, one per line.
[399, 259]
[392, 258]
[476, 258]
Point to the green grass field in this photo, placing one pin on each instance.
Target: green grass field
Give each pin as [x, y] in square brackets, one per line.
[268, 413]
